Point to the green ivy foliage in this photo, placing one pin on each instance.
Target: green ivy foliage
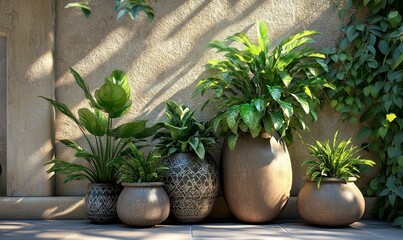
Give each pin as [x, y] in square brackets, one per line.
[366, 68]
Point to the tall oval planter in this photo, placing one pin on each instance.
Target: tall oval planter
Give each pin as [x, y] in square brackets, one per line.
[257, 177]
[334, 204]
[143, 204]
[192, 185]
[100, 202]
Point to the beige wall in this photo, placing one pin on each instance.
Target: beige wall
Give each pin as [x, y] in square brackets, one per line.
[3, 112]
[165, 58]
[28, 26]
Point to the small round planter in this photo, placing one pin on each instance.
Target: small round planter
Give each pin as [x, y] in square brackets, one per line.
[334, 204]
[143, 204]
[257, 177]
[100, 202]
[192, 185]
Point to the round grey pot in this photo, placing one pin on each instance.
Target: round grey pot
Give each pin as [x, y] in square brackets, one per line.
[334, 204]
[257, 177]
[100, 202]
[143, 204]
[192, 185]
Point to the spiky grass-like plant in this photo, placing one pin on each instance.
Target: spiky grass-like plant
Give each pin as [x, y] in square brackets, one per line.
[136, 167]
[339, 160]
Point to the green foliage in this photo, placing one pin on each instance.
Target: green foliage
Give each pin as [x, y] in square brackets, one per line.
[135, 167]
[261, 90]
[335, 161]
[183, 133]
[122, 7]
[366, 68]
[112, 100]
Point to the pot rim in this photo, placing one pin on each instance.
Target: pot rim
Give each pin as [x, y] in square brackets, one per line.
[331, 180]
[142, 184]
[103, 184]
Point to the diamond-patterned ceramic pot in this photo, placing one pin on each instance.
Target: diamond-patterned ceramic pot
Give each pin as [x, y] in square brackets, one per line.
[100, 202]
[192, 186]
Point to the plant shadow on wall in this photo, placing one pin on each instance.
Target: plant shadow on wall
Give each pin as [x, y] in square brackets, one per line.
[192, 58]
[366, 68]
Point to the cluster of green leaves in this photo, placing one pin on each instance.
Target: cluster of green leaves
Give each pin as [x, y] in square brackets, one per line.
[366, 68]
[122, 7]
[339, 160]
[112, 100]
[261, 90]
[182, 132]
[135, 167]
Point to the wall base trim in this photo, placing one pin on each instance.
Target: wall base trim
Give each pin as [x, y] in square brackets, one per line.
[72, 207]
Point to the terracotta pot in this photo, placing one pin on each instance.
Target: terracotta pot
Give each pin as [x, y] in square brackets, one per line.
[143, 204]
[192, 185]
[100, 202]
[257, 177]
[335, 203]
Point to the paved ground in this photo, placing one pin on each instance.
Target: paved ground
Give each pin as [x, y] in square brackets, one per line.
[82, 230]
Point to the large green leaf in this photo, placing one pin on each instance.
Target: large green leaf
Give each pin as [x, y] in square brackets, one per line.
[84, 6]
[61, 107]
[250, 115]
[71, 144]
[232, 116]
[131, 129]
[275, 92]
[112, 99]
[263, 38]
[120, 78]
[83, 85]
[96, 124]
[304, 103]
[287, 108]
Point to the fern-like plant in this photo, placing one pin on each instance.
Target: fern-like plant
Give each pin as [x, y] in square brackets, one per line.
[339, 160]
[259, 89]
[136, 167]
[182, 132]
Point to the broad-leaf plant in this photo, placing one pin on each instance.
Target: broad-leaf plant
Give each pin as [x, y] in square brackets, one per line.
[339, 159]
[182, 132]
[262, 88]
[366, 67]
[105, 142]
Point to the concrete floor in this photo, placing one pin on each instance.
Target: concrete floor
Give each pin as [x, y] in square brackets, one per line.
[283, 229]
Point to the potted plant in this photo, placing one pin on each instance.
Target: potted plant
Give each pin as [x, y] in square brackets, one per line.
[104, 143]
[143, 201]
[262, 94]
[192, 180]
[329, 196]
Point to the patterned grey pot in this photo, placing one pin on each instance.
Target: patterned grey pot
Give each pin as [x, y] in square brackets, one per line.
[100, 202]
[192, 185]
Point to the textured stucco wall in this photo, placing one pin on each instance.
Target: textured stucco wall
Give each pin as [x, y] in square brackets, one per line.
[28, 26]
[3, 119]
[165, 58]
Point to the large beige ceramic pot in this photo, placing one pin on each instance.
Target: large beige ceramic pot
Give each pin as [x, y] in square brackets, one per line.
[335, 203]
[143, 204]
[257, 177]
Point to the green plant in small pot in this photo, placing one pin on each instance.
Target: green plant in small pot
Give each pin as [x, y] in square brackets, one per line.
[105, 142]
[262, 95]
[330, 196]
[192, 180]
[143, 201]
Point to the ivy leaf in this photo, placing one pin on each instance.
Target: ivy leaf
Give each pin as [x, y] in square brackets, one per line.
[364, 132]
[390, 117]
[383, 47]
